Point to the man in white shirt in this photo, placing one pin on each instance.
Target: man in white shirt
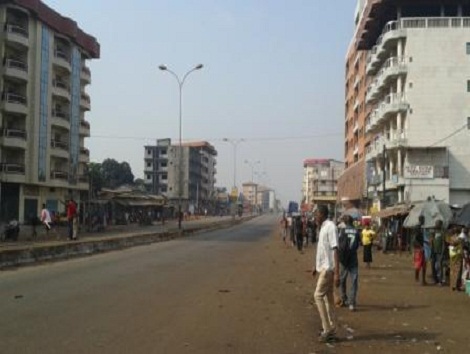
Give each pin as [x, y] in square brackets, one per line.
[46, 218]
[327, 267]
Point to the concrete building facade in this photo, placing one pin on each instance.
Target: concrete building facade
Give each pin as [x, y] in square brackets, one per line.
[43, 158]
[418, 66]
[351, 183]
[320, 181]
[198, 172]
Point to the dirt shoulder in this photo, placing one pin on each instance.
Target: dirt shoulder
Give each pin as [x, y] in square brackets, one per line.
[394, 313]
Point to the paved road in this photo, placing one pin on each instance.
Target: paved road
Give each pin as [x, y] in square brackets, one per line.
[205, 294]
[238, 290]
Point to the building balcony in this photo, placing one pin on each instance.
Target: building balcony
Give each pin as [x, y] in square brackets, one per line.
[85, 75]
[374, 149]
[84, 128]
[372, 92]
[15, 138]
[60, 149]
[372, 61]
[392, 68]
[13, 172]
[17, 34]
[16, 69]
[392, 32]
[14, 103]
[391, 105]
[61, 89]
[397, 140]
[60, 119]
[60, 175]
[148, 169]
[62, 60]
[84, 155]
[85, 101]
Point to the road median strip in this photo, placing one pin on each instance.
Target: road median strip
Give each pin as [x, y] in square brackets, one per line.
[29, 254]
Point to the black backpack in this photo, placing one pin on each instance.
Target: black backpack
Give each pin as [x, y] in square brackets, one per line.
[343, 248]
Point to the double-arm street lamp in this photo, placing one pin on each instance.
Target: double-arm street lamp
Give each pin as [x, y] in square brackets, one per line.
[180, 153]
[234, 143]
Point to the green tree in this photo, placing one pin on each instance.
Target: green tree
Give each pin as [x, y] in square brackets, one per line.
[116, 174]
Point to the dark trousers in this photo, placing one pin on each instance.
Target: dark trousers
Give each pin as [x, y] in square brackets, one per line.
[70, 228]
[300, 241]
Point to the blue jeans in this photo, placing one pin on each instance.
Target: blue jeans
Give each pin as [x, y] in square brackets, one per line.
[354, 274]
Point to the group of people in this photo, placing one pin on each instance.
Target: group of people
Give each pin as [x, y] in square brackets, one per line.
[336, 261]
[445, 251]
[297, 230]
[72, 220]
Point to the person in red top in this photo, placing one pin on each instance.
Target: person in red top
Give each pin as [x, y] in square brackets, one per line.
[71, 217]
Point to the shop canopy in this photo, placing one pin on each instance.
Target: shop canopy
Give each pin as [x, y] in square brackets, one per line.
[392, 211]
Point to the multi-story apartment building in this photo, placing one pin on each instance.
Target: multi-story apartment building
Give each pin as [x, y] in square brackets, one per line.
[198, 169]
[351, 184]
[43, 158]
[418, 65]
[250, 192]
[320, 181]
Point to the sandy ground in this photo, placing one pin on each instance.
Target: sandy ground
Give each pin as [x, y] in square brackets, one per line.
[394, 313]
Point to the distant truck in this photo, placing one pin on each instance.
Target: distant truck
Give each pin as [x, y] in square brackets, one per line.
[293, 207]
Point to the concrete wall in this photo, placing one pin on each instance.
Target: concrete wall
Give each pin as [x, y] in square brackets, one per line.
[436, 88]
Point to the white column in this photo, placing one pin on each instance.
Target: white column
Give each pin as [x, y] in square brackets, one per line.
[399, 163]
[390, 166]
[399, 127]
[400, 47]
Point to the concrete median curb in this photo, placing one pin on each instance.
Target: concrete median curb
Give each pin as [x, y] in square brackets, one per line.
[36, 253]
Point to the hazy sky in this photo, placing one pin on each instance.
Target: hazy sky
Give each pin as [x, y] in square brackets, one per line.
[273, 75]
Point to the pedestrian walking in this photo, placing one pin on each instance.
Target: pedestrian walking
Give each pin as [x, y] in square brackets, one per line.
[438, 251]
[368, 236]
[46, 219]
[327, 267]
[348, 243]
[455, 260]
[72, 219]
[299, 232]
[419, 255]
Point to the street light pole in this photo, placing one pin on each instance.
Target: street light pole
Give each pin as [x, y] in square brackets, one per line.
[234, 143]
[252, 165]
[180, 153]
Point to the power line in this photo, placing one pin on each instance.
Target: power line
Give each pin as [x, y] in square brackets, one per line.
[449, 136]
[254, 139]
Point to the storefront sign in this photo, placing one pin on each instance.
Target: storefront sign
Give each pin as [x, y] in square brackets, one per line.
[419, 171]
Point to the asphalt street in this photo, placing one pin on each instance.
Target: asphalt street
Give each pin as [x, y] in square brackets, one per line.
[163, 298]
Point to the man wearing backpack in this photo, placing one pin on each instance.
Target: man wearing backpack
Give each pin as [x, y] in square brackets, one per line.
[348, 243]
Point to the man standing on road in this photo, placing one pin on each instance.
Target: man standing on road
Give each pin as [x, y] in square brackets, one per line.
[348, 243]
[327, 266]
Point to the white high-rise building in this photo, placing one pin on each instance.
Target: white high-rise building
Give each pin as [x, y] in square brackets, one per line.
[418, 70]
[43, 158]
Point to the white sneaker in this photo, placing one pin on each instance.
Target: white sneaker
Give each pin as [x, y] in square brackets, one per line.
[352, 308]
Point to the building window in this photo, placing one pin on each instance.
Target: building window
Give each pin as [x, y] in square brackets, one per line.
[149, 164]
[149, 177]
[468, 85]
[467, 47]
